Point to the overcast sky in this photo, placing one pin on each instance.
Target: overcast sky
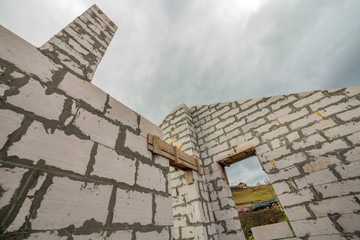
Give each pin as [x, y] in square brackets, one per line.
[165, 53]
[247, 171]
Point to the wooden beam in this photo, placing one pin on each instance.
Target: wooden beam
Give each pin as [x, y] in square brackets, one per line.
[198, 166]
[177, 158]
[156, 145]
[223, 172]
[235, 158]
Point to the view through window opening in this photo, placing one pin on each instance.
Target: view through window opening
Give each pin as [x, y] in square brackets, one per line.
[255, 199]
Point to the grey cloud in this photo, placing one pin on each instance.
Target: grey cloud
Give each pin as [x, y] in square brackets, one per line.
[248, 171]
[285, 47]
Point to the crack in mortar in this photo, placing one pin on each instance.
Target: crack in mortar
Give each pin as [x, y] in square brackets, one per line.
[333, 218]
[90, 166]
[16, 136]
[107, 105]
[153, 209]
[112, 202]
[66, 113]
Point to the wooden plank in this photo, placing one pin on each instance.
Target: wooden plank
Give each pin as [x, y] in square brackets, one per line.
[164, 146]
[176, 157]
[157, 145]
[226, 177]
[198, 166]
[171, 158]
[182, 165]
[187, 158]
[189, 176]
[223, 172]
[170, 150]
[224, 162]
[261, 164]
[241, 156]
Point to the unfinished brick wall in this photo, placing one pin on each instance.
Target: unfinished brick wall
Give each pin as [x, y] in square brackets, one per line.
[74, 162]
[313, 139]
[194, 214]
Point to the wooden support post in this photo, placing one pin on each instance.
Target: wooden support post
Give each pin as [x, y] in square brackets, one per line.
[223, 172]
[176, 155]
[157, 146]
[198, 166]
[189, 176]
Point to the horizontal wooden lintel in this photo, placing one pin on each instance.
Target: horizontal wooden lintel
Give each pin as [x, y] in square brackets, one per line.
[177, 158]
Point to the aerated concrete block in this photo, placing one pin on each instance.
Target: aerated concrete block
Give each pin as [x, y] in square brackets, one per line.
[342, 130]
[297, 213]
[49, 235]
[318, 126]
[339, 188]
[272, 231]
[83, 90]
[121, 113]
[197, 232]
[133, 207]
[290, 199]
[349, 115]
[163, 212]
[10, 180]
[67, 202]
[320, 226]
[10, 121]
[283, 102]
[308, 100]
[25, 56]
[56, 149]
[151, 177]
[320, 163]
[162, 235]
[349, 222]
[97, 128]
[109, 164]
[32, 98]
[349, 170]
[341, 205]
[24, 211]
[137, 143]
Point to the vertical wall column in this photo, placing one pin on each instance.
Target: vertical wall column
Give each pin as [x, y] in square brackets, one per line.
[210, 121]
[193, 216]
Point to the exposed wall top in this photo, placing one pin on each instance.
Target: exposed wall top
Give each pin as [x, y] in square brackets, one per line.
[81, 44]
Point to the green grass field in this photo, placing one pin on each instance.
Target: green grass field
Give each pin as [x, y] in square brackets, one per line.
[252, 195]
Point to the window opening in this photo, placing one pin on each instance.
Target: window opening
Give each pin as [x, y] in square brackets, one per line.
[254, 196]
